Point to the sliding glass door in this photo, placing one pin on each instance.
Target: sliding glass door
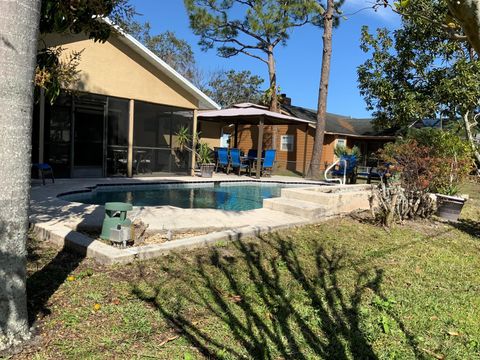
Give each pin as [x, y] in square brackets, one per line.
[88, 140]
[117, 137]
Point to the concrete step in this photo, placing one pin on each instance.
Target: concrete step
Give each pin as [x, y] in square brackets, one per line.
[338, 202]
[320, 198]
[301, 208]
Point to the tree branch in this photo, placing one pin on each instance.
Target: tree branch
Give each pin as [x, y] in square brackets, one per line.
[452, 35]
[243, 51]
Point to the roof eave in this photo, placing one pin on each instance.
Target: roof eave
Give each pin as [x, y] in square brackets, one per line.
[383, 137]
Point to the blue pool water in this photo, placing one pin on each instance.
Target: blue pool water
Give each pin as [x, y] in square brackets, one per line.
[225, 196]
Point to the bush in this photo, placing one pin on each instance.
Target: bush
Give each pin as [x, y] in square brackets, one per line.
[426, 161]
[409, 172]
[185, 140]
[410, 165]
[341, 150]
[454, 158]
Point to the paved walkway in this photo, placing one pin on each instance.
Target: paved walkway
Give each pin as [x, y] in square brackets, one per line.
[46, 207]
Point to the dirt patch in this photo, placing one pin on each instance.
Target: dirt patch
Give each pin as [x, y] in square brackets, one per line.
[153, 238]
[164, 236]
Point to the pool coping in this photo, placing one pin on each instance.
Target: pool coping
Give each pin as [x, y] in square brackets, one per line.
[108, 255]
[59, 230]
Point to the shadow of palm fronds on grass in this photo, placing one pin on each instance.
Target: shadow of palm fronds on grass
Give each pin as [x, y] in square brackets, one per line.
[267, 299]
[468, 226]
[42, 284]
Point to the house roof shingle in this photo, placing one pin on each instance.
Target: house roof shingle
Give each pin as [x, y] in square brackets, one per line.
[338, 124]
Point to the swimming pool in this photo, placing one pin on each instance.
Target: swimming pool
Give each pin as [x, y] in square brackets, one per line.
[232, 196]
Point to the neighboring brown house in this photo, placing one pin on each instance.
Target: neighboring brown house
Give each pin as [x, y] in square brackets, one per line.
[294, 143]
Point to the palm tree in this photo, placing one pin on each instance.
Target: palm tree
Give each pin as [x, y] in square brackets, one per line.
[19, 22]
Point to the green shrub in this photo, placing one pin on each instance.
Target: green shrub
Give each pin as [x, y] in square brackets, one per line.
[344, 150]
[185, 140]
[454, 158]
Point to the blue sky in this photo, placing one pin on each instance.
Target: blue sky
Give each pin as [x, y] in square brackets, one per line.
[298, 64]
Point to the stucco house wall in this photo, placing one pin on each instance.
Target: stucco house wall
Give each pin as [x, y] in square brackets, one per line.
[114, 69]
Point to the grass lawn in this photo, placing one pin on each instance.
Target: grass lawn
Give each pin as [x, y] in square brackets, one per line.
[342, 289]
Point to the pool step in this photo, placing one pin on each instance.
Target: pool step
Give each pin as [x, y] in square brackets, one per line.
[339, 202]
[321, 198]
[301, 208]
[322, 201]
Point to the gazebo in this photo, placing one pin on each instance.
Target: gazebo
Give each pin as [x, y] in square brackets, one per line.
[250, 114]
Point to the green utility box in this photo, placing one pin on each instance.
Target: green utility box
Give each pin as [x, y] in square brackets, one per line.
[115, 215]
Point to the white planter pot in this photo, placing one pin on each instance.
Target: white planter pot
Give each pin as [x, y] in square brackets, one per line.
[206, 170]
[449, 207]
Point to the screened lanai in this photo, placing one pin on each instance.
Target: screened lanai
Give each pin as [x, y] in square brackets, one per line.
[120, 117]
[90, 135]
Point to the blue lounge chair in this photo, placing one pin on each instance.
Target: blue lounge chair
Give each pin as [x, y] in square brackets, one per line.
[351, 166]
[236, 161]
[222, 159]
[45, 169]
[268, 161]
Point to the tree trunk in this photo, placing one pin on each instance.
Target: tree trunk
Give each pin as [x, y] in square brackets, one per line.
[19, 20]
[467, 12]
[471, 140]
[390, 216]
[272, 75]
[314, 171]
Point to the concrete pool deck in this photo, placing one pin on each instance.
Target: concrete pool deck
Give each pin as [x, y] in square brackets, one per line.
[55, 219]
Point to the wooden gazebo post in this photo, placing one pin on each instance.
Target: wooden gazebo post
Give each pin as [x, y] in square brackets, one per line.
[235, 143]
[305, 152]
[259, 147]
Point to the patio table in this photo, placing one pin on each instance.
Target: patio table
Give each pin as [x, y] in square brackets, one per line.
[252, 161]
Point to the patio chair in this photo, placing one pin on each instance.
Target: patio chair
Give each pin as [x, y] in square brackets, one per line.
[351, 168]
[222, 159]
[252, 154]
[119, 161]
[45, 169]
[268, 161]
[237, 162]
[144, 161]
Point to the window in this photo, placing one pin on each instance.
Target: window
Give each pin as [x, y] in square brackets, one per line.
[286, 143]
[341, 142]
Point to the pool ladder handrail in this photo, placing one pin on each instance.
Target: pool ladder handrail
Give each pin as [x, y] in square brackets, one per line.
[342, 182]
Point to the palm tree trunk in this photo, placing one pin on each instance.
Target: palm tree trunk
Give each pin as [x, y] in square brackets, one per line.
[19, 20]
[314, 169]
